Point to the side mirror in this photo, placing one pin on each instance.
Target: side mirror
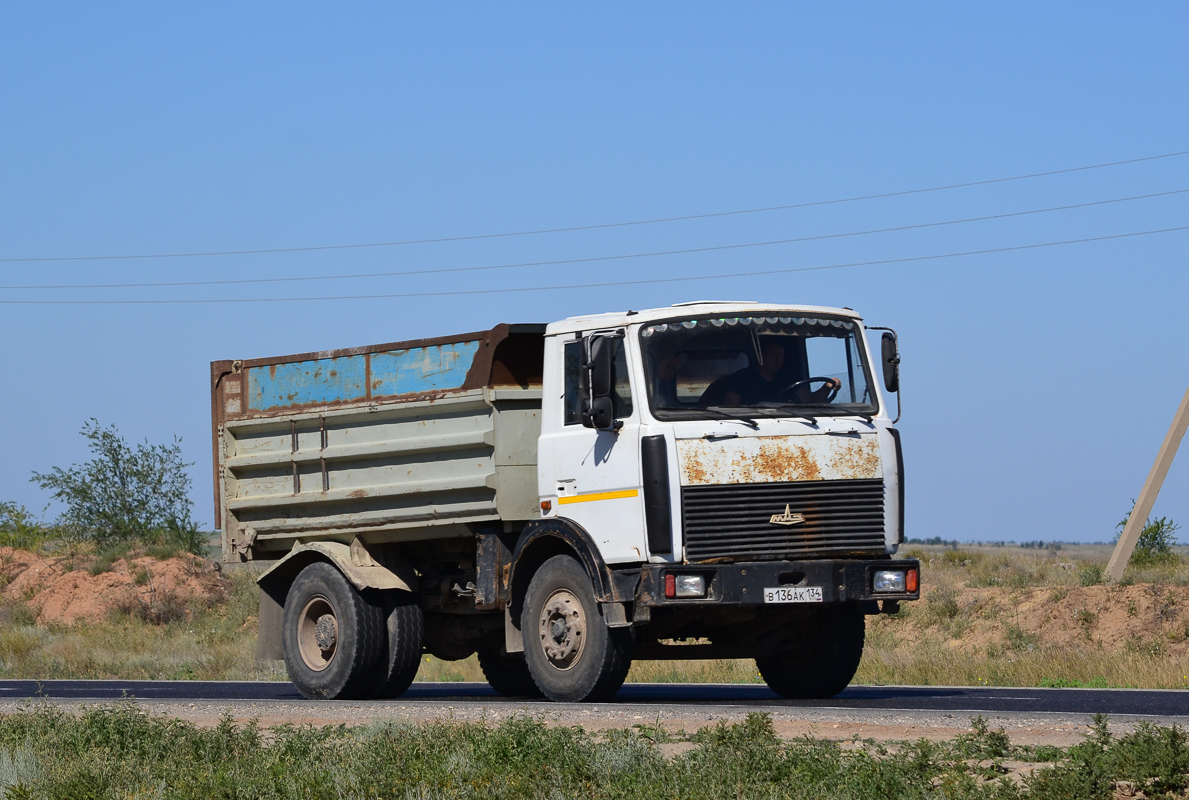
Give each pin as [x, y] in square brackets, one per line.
[600, 415]
[890, 355]
[598, 354]
[598, 366]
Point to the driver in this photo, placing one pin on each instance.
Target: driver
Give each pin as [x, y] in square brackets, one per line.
[757, 383]
[665, 386]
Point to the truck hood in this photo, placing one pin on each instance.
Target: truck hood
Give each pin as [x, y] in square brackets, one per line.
[779, 459]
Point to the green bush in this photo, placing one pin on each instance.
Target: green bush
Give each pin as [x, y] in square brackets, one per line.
[1154, 760]
[1155, 542]
[982, 742]
[1090, 575]
[1021, 641]
[20, 530]
[126, 494]
[941, 604]
[106, 558]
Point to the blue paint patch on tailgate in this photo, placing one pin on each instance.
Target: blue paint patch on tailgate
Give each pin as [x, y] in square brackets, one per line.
[307, 382]
[422, 369]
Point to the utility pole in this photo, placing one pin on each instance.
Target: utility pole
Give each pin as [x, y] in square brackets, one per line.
[1147, 495]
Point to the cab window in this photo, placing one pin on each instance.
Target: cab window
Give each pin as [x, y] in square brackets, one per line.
[575, 382]
[622, 399]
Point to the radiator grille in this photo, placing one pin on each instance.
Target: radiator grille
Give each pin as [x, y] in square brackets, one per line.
[734, 521]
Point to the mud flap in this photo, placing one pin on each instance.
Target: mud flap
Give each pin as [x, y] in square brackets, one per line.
[513, 636]
[616, 615]
[268, 636]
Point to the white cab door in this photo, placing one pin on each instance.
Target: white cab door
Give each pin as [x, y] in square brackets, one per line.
[596, 474]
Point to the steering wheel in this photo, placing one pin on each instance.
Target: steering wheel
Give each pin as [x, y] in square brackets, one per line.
[787, 392]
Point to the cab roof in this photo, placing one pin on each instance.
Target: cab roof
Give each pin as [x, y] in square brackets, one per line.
[685, 310]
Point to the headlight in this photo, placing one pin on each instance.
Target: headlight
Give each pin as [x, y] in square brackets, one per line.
[691, 585]
[889, 581]
[685, 585]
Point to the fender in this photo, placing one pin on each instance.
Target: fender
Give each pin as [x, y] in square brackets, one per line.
[353, 560]
[532, 549]
[542, 539]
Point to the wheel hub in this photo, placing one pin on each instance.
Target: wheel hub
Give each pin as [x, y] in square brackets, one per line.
[326, 632]
[562, 629]
[317, 633]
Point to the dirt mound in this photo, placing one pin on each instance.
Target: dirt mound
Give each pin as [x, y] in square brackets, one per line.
[1144, 618]
[156, 590]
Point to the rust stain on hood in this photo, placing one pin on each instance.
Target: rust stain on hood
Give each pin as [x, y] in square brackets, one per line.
[778, 459]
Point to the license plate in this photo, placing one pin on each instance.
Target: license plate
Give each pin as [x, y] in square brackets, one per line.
[793, 594]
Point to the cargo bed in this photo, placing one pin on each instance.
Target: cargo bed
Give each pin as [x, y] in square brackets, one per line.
[397, 442]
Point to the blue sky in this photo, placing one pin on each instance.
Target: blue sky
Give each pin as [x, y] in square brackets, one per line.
[1037, 383]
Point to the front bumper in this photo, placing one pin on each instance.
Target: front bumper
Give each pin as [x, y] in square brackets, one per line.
[841, 581]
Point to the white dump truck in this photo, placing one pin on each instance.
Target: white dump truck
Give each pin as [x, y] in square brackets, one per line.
[710, 480]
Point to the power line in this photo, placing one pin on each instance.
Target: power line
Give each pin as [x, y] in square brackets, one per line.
[608, 284]
[601, 226]
[589, 259]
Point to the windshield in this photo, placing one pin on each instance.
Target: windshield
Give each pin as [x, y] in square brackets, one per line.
[757, 366]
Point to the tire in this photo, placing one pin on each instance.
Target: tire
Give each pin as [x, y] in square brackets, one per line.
[507, 673]
[571, 653]
[823, 659]
[405, 631]
[333, 636]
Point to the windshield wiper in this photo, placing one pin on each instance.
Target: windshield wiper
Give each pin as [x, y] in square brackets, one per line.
[751, 423]
[839, 411]
[791, 410]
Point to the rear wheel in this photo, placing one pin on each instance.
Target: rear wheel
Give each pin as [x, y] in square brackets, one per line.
[507, 673]
[405, 635]
[822, 659]
[333, 636]
[571, 653]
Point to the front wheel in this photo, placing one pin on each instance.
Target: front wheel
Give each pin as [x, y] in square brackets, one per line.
[820, 660]
[571, 653]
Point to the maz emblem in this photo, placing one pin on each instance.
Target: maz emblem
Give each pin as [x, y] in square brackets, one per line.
[787, 518]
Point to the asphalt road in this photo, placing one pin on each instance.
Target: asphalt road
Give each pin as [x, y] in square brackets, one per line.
[1133, 702]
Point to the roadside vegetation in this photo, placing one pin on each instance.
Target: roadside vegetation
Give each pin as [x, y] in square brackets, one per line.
[119, 584]
[1039, 617]
[176, 640]
[120, 750]
[125, 496]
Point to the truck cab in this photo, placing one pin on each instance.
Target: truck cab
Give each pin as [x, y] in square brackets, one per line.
[692, 400]
[741, 457]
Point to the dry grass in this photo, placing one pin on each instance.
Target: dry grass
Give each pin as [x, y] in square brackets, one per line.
[740, 670]
[736, 670]
[213, 644]
[1006, 616]
[1016, 567]
[934, 662]
[435, 669]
